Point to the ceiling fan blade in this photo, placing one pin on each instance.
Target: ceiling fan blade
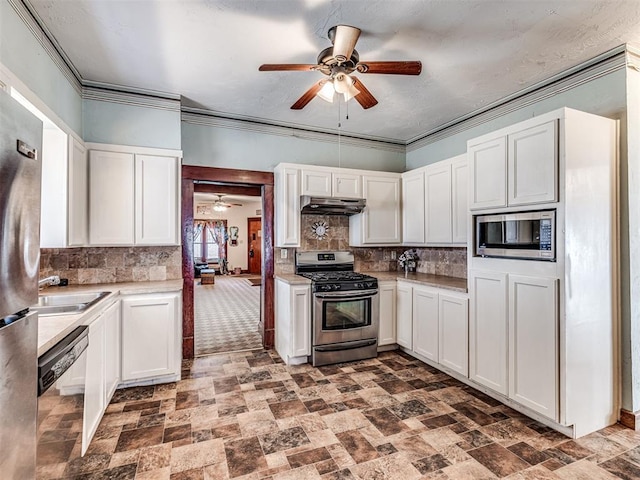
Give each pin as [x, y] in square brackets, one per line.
[307, 96]
[344, 41]
[393, 68]
[364, 98]
[287, 67]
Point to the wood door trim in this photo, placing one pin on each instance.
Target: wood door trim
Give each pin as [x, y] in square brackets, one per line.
[263, 180]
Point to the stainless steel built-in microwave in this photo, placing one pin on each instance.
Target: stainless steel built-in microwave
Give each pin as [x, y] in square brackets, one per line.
[524, 235]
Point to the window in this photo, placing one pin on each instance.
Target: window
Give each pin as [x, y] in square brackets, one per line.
[205, 244]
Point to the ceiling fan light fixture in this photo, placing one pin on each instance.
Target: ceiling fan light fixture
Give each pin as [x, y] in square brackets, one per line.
[342, 82]
[327, 92]
[351, 92]
[218, 207]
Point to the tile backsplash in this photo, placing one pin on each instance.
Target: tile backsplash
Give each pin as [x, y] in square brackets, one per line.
[448, 261]
[112, 264]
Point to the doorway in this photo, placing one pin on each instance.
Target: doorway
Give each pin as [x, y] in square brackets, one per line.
[240, 182]
[254, 229]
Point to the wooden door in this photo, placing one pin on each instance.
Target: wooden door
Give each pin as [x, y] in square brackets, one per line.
[254, 242]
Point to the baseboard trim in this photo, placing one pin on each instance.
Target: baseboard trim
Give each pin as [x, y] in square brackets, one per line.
[630, 419]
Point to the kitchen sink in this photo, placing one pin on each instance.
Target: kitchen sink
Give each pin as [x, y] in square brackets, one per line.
[67, 303]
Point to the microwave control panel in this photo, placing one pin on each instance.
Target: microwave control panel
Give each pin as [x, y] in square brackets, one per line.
[546, 229]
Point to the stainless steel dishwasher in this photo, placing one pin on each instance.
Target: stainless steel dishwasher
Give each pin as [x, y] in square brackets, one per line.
[61, 384]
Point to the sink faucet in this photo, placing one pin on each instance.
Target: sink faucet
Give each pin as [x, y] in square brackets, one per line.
[52, 280]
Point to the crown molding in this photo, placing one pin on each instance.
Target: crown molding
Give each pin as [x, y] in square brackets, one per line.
[604, 64]
[139, 98]
[197, 116]
[37, 27]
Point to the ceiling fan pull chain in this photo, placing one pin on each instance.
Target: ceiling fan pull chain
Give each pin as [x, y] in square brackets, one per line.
[339, 132]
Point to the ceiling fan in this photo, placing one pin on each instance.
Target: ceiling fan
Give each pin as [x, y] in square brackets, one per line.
[220, 206]
[338, 63]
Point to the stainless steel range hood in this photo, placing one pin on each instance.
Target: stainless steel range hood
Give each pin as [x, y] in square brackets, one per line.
[331, 206]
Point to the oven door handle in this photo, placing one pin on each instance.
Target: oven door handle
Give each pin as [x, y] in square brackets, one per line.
[342, 346]
[361, 294]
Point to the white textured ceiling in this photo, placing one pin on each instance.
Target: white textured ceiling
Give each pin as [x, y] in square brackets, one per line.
[474, 52]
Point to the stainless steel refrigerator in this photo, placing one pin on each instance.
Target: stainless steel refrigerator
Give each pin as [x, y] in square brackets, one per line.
[20, 170]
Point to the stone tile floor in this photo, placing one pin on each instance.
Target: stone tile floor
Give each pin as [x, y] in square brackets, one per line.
[248, 416]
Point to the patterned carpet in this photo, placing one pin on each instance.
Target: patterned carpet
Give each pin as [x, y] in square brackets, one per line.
[226, 316]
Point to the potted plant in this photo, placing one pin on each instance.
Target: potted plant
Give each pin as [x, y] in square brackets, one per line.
[408, 261]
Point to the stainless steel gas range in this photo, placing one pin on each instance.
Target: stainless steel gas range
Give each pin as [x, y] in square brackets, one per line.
[345, 312]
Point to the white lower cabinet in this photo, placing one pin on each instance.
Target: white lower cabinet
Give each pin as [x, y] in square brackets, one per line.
[293, 321]
[387, 328]
[453, 332]
[150, 335]
[488, 335]
[404, 315]
[425, 322]
[112, 350]
[533, 343]
[514, 338]
[95, 386]
[433, 323]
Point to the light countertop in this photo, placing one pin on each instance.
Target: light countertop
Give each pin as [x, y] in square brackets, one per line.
[53, 328]
[437, 281]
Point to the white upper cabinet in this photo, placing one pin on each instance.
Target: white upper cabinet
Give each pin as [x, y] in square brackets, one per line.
[133, 196]
[413, 204]
[287, 206]
[346, 185]
[460, 199]
[438, 202]
[64, 201]
[517, 168]
[330, 182]
[435, 203]
[315, 182]
[111, 198]
[156, 193]
[78, 195]
[380, 221]
[488, 165]
[532, 165]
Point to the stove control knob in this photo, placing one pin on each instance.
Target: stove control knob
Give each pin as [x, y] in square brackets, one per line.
[336, 287]
[324, 288]
[358, 285]
[370, 284]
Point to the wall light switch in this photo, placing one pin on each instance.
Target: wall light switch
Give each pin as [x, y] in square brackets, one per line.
[393, 254]
[283, 253]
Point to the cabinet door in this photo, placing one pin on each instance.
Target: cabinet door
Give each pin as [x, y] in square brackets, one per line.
[381, 218]
[404, 315]
[301, 320]
[316, 182]
[346, 185]
[425, 322]
[488, 336]
[156, 193]
[149, 336]
[387, 329]
[438, 202]
[459, 199]
[111, 198]
[533, 165]
[94, 393]
[453, 315]
[112, 350]
[533, 343]
[488, 174]
[287, 207]
[78, 194]
[413, 203]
